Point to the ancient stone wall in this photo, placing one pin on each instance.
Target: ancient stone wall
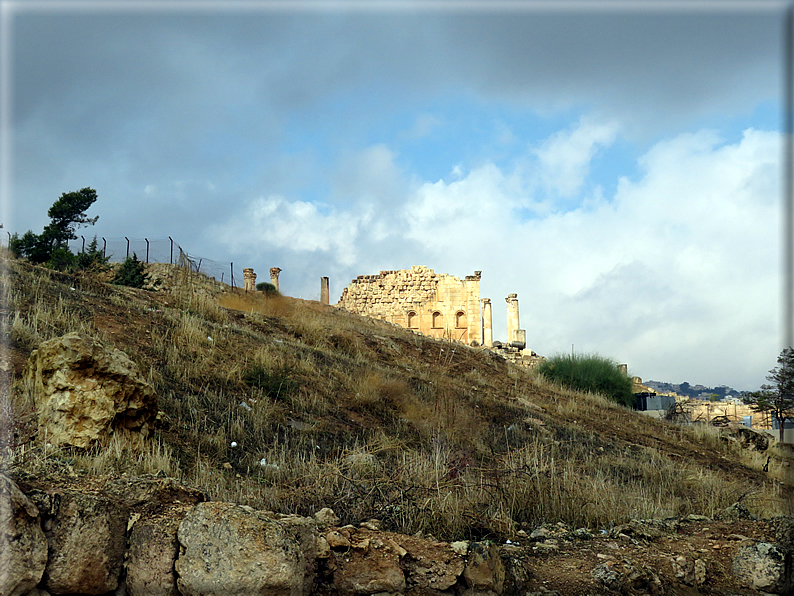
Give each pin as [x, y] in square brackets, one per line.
[435, 304]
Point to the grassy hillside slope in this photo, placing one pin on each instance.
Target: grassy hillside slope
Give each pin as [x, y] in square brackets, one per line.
[329, 409]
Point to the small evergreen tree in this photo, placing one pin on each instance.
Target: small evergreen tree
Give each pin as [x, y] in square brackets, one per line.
[777, 398]
[130, 273]
[93, 258]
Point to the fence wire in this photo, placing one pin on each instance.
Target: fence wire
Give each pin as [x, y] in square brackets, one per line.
[161, 250]
[155, 250]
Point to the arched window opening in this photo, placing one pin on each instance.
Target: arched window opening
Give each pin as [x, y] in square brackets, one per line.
[438, 321]
[413, 320]
[460, 320]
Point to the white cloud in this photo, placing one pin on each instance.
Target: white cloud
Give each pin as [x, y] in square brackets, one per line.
[676, 273]
[295, 225]
[565, 157]
[422, 127]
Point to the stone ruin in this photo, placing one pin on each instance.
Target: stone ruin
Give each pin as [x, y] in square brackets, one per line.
[249, 278]
[274, 271]
[434, 304]
[437, 305]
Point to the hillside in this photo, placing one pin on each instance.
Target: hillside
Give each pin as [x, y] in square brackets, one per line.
[329, 409]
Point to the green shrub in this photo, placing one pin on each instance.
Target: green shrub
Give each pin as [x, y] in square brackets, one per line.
[267, 288]
[275, 384]
[92, 258]
[61, 259]
[131, 273]
[590, 372]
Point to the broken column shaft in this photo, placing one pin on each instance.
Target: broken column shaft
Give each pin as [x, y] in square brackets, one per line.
[324, 290]
[487, 323]
[249, 279]
[274, 271]
[512, 317]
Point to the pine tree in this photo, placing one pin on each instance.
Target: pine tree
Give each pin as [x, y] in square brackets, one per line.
[131, 273]
[777, 397]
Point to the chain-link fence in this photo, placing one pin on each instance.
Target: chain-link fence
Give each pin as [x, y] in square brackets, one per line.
[156, 250]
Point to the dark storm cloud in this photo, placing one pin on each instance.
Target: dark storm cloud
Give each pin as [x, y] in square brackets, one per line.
[170, 101]
[173, 95]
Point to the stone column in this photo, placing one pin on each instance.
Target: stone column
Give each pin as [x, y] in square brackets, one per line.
[274, 271]
[487, 323]
[512, 317]
[249, 278]
[324, 290]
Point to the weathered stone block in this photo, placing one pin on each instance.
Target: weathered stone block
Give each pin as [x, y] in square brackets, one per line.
[23, 546]
[228, 549]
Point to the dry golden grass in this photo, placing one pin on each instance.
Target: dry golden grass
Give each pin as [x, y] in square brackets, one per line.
[330, 409]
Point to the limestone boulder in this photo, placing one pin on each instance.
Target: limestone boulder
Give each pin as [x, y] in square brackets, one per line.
[226, 549]
[761, 566]
[326, 518]
[748, 438]
[144, 493]
[86, 535]
[85, 391]
[484, 572]
[23, 546]
[371, 565]
[151, 554]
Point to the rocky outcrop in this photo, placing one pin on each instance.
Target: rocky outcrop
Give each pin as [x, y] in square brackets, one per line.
[624, 578]
[484, 572]
[364, 561]
[23, 546]
[762, 566]
[85, 391]
[689, 571]
[748, 438]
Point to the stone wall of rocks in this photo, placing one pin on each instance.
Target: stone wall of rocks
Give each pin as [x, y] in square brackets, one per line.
[155, 537]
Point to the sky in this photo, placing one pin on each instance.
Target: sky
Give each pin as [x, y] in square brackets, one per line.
[616, 164]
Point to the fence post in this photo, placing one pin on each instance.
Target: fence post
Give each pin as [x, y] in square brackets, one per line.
[104, 247]
[128, 246]
[231, 266]
[83, 237]
[172, 250]
[147, 250]
[9, 237]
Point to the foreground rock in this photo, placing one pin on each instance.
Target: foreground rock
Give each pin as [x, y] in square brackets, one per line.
[85, 391]
[763, 566]
[86, 536]
[228, 549]
[23, 546]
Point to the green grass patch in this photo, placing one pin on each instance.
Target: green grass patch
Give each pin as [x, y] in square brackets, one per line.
[276, 384]
[590, 372]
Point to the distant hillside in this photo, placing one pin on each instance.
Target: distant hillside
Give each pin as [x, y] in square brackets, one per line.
[289, 406]
[722, 391]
